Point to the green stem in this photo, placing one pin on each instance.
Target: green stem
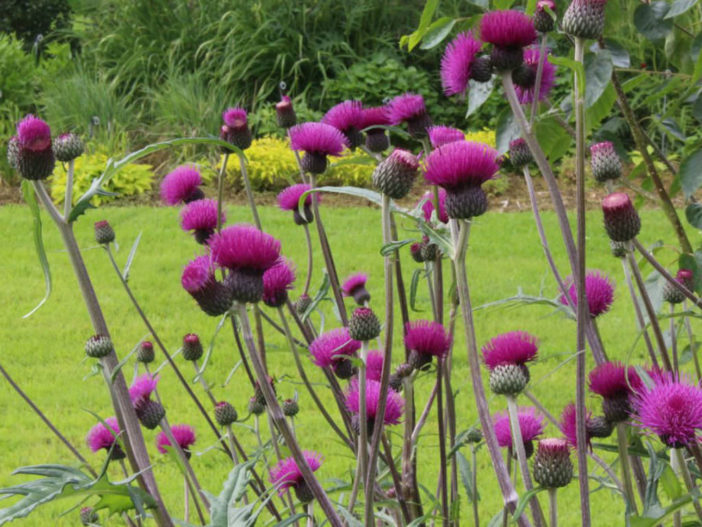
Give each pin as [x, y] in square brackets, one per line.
[640, 322]
[310, 259]
[622, 443]
[220, 189]
[691, 337]
[689, 483]
[474, 501]
[68, 199]
[553, 507]
[442, 445]
[362, 415]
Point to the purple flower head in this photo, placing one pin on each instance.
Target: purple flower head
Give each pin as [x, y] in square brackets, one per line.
[318, 138]
[374, 364]
[197, 274]
[440, 135]
[599, 290]
[684, 276]
[375, 116]
[181, 185]
[353, 283]
[568, 427]
[331, 343]
[515, 347]
[543, 4]
[531, 425]
[613, 379]
[100, 436]
[289, 198]
[243, 246]
[405, 108]
[183, 434]
[605, 147]
[461, 164]
[33, 134]
[507, 29]
[427, 338]
[428, 206]
[457, 61]
[548, 75]
[235, 118]
[200, 216]
[287, 474]
[276, 282]
[345, 116]
[672, 409]
[394, 408]
[142, 388]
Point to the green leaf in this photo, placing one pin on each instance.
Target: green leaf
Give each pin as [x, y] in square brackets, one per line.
[651, 21]
[693, 213]
[576, 67]
[439, 238]
[391, 247]
[31, 200]
[524, 500]
[679, 7]
[321, 295]
[598, 74]
[554, 140]
[690, 173]
[232, 491]
[291, 519]
[671, 484]
[602, 108]
[676, 505]
[478, 93]
[130, 258]
[437, 32]
[507, 130]
[370, 195]
[424, 22]
[466, 473]
[503, 4]
[414, 284]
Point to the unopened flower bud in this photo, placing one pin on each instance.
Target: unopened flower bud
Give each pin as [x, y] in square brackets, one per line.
[98, 346]
[621, 220]
[145, 352]
[104, 233]
[225, 414]
[364, 325]
[552, 465]
[290, 408]
[192, 347]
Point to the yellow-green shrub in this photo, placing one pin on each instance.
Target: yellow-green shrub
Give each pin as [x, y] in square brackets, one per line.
[483, 136]
[129, 181]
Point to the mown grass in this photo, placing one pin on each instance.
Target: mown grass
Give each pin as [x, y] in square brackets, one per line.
[45, 352]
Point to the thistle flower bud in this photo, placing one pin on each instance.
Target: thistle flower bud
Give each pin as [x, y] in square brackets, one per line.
[67, 147]
[145, 352]
[519, 153]
[150, 413]
[98, 346]
[552, 465]
[364, 325]
[598, 426]
[104, 234]
[31, 154]
[302, 303]
[585, 19]
[416, 252]
[621, 220]
[192, 347]
[395, 382]
[285, 113]
[672, 294]
[605, 162]
[255, 407]
[543, 20]
[509, 379]
[394, 175]
[474, 435]
[290, 408]
[225, 414]
[88, 516]
[236, 128]
[258, 393]
[481, 70]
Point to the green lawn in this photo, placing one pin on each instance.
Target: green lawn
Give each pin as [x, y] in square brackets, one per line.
[45, 352]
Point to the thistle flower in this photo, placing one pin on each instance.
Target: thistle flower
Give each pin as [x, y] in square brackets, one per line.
[440, 135]
[426, 339]
[519, 153]
[104, 233]
[235, 129]
[355, 286]
[248, 253]
[621, 220]
[329, 349]
[289, 199]
[290, 408]
[149, 412]
[277, 281]
[285, 113]
[461, 168]
[317, 140]
[457, 62]
[198, 279]
[506, 356]
[543, 21]
[394, 407]
[374, 365]
[525, 76]
[394, 175]
[67, 147]
[200, 217]
[599, 290]
[428, 205]
[672, 410]
[605, 162]
[410, 108]
[552, 465]
[184, 435]
[585, 18]
[182, 185]
[364, 325]
[531, 426]
[376, 138]
[615, 383]
[347, 117]
[30, 150]
[594, 426]
[103, 437]
[508, 31]
[287, 474]
[142, 388]
[671, 294]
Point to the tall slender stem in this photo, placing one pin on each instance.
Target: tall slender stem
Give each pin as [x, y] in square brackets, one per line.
[310, 259]
[687, 477]
[626, 466]
[442, 444]
[518, 446]
[249, 192]
[537, 82]
[691, 337]
[68, 199]
[474, 500]
[510, 498]
[673, 339]
[220, 189]
[362, 415]
[553, 507]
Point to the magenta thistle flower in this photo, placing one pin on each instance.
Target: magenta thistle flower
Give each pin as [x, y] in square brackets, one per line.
[200, 216]
[428, 206]
[569, 428]
[347, 117]
[142, 388]
[394, 407]
[355, 286]
[461, 164]
[374, 365]
[409, 108]
[197, 274]
[287, 474]
[235, 117]
[457, 61]
[243, 246]
[526, 93]
[198, 279]
[427, 338]
[100, 436]
[599, 290]
[289, 199]
[182, 185]
[317, 138]
[235, 129]
[331, 343]
[613, 379]
[672, 410]
[531, 425]
[515, 347]
[183, 434]
[277, 281]
[507, 29]
[375, 116]
[33, 134]
[440, 135]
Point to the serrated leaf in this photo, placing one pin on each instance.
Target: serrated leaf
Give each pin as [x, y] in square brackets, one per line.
[437, 32]
[478, 93]
[466, 472]
[232, 491]
[31, 200]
